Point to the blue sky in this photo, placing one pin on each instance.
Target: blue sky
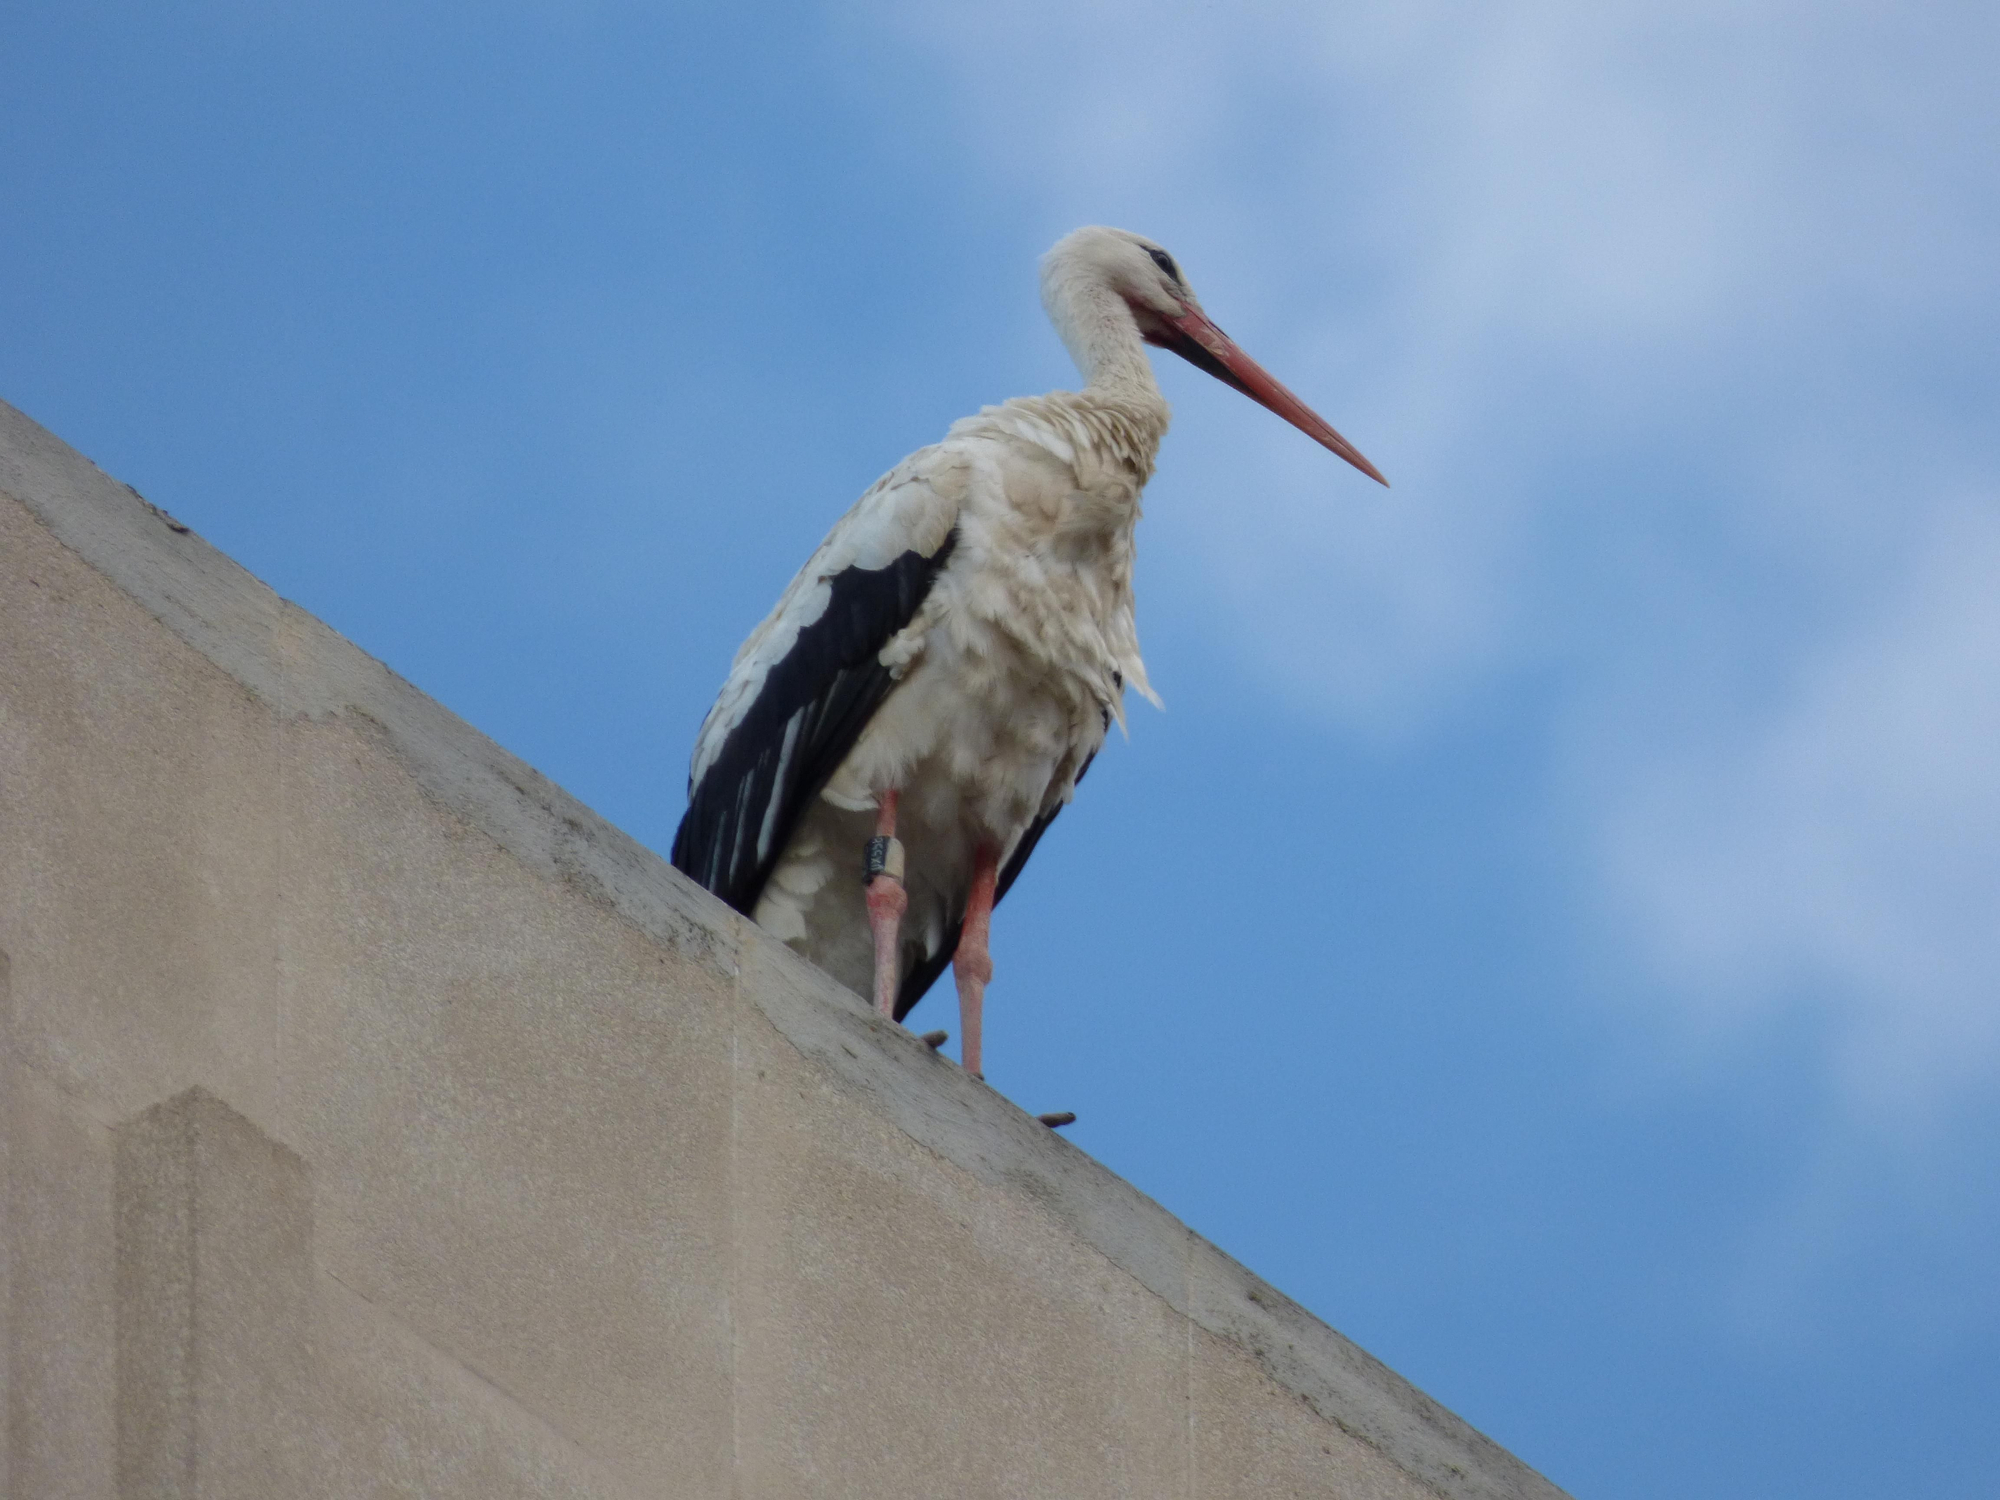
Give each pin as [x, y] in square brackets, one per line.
[1554, 929]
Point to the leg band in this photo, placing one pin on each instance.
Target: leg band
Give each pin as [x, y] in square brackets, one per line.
[885, 857]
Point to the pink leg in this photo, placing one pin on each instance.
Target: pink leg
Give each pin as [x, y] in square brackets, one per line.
[887, 901]
[973, 966]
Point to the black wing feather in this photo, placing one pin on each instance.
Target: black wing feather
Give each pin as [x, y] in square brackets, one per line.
[813, 705]
[924, 975]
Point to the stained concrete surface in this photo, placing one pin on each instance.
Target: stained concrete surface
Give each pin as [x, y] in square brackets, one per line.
[378, 1120]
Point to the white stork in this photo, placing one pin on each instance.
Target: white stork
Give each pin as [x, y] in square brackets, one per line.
[899, 733]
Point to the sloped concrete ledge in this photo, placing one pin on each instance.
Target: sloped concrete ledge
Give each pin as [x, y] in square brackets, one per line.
[311, 698]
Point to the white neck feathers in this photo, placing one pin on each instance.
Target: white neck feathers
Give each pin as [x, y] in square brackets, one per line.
[1098, 329]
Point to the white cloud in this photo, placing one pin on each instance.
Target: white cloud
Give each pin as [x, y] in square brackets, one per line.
[1844, 843]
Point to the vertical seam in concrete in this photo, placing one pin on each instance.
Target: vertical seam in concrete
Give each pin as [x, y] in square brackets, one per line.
[280, 999]
[1187, 1361]
[735, 1294]
[14, 1419]
[189, 1146]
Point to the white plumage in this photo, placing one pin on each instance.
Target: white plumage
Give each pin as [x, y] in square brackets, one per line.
[961, 641]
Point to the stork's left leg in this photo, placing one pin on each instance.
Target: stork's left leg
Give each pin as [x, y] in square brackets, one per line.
[887, 901]
[973, 964]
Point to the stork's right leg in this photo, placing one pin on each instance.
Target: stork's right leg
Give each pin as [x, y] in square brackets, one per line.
[887, 901]
[973, 963]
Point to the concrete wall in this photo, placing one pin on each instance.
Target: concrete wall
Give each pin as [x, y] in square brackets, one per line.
[377, 1120]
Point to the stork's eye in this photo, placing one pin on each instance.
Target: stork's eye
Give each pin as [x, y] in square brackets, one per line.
[1166, 263]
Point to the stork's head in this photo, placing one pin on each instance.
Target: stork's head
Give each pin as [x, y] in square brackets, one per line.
[1088, 263]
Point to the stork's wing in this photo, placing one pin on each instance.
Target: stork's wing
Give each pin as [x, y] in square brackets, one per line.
[810, 677]
[922, 976]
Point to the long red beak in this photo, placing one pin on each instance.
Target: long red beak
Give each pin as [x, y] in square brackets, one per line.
[1198, 341]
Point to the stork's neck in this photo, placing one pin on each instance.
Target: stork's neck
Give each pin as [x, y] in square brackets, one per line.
[1102, 337]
